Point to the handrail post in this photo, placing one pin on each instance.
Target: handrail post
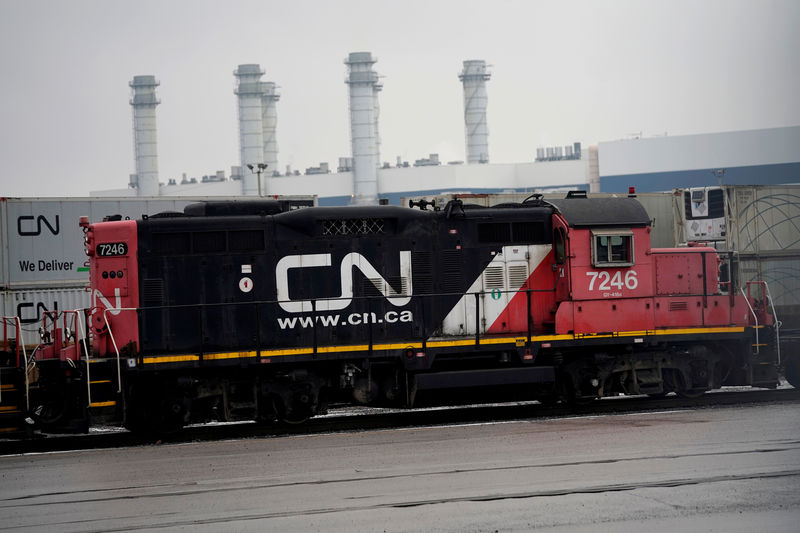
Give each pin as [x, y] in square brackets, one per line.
[25, 359]
[369, 325]
[114, 341]
[705, 285]
[778, 323]
[20, 345]
[477, 319]
[258, 331]
[314, 325]
[752, 311]
[424, 329]
[528, 312]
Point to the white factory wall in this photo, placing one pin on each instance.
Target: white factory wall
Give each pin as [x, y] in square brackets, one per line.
[688, 152]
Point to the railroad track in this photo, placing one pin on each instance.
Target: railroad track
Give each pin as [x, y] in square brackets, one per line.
[364, 419]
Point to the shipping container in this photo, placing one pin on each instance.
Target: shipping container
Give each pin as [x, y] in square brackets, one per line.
[31, 304]
[764, 219]
[42, 244]
[747, 219]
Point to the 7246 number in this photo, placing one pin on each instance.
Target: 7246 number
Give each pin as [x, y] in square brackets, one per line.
[607, 282]
[106, 249]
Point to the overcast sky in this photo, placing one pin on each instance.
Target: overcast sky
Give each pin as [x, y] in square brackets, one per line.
[562, 71]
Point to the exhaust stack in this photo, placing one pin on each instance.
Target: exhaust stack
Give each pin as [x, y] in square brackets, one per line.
[144, 102]
[251, 132]
[474, 78]
[364, 86]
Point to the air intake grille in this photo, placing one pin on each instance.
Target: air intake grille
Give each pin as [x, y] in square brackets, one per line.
[493, 278]
[451, 271]
[354, 226]
[152, 292]
[517, 276]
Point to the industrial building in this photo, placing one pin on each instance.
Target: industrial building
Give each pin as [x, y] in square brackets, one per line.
[767, 156]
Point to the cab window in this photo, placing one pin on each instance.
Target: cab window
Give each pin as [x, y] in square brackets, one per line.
[612, 248]
[559, 246]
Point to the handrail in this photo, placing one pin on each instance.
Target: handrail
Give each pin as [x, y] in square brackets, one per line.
[20, 343]
[114, 341]
[778, 323]
[753, 312]
[25, 358]
[81, 337]
[315, 304]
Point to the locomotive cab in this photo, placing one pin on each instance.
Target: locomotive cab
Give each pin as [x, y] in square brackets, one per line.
[603, 257]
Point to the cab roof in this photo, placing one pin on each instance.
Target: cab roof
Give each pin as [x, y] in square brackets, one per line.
[601, 212]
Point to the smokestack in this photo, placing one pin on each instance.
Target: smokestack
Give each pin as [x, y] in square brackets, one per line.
[269, 122]
[144, 102]
[364, 85]
[376, 106]
[474, 77]
[251, 133]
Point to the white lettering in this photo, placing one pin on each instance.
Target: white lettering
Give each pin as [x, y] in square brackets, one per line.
[97, 296]
[351, 260]
[353, 319]
[605, 282]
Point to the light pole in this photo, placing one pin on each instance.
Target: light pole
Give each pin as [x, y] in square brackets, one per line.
[257, 170]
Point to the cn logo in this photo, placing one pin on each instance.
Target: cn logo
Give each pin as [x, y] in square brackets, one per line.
[349, 261]
[38, 309]
[29, 227]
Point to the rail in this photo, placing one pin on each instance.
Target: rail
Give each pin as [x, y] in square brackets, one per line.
[114, 341]
[755, 318]
[369, 317]
[80, 333]
[778, 323]
[19, 344]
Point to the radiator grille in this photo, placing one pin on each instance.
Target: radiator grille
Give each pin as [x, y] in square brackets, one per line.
[678, 306]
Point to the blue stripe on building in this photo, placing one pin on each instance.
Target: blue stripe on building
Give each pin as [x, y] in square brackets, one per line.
[665, 181]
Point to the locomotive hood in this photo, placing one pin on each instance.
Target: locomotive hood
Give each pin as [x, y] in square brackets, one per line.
[602, 212]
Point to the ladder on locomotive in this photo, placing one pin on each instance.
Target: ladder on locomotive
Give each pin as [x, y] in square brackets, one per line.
[103, 386]
[69, 343]
[13, 380]
[766, 344]
[112, 368]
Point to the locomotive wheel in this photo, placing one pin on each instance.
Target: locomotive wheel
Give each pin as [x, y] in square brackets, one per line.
[170, 416]
[52, 407]
[50, 412]
[148, 414]
[295, 419]
[690, 394]
[680, 388]
[298, 414]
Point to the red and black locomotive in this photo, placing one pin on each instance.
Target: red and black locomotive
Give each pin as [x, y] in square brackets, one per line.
[251, 310]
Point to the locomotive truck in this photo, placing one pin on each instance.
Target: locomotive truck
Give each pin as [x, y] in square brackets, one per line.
[249, 311]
